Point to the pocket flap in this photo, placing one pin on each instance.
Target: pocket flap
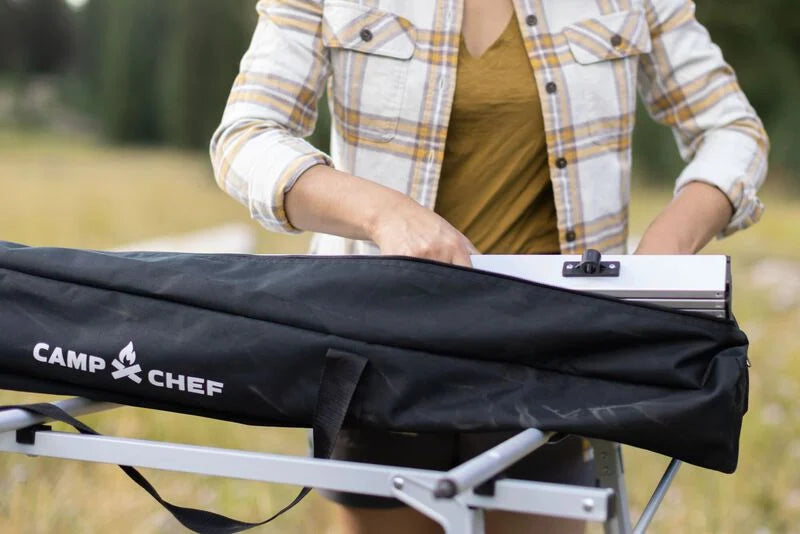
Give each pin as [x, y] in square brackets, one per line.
[368, 30]
[609, 37]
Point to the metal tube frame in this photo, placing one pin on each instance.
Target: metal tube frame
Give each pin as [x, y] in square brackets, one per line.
[459, 511]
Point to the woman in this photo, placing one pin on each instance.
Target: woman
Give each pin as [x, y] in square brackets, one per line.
[491, 126]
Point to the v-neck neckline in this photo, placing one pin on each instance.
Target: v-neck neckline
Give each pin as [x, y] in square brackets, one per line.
[494, 44]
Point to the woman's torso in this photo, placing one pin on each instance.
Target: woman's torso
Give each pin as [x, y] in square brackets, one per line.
[392, 95]
[495, 183]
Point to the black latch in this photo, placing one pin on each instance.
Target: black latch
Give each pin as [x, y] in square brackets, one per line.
[487, 488]
[27, 435]
[590, 266]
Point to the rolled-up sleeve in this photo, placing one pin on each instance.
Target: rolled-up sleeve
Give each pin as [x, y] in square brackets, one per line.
[258, 151]
[687, 85]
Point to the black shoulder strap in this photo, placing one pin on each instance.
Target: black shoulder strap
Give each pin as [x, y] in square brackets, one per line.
[340, 378]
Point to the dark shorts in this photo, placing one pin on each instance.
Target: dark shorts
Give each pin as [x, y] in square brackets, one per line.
[568, 461]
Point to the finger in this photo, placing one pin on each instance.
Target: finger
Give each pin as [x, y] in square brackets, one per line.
[471, 248]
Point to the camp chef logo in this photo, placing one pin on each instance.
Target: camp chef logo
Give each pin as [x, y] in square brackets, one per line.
[127, 356]
[125, 366]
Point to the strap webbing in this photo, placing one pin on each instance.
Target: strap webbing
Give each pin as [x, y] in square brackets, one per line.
[340, 378]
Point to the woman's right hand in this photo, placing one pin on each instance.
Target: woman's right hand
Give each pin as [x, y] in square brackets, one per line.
[406, 228]
[333, 202]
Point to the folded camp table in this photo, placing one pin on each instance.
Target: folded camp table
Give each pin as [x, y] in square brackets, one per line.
[458, 498]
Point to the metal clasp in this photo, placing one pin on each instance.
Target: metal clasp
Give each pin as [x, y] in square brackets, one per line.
[590, 266]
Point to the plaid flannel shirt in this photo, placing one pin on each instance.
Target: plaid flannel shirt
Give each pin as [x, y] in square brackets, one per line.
[391, 67]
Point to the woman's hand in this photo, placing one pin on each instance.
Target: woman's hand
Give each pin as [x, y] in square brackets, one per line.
[333, 202]
[406, 228]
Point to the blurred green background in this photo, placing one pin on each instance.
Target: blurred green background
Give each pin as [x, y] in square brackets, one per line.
[106, 109]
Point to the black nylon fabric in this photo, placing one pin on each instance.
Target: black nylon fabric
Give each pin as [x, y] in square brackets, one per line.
[448, 348]
[339, 381]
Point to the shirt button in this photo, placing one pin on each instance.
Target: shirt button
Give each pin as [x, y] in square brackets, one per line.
[442, 82]
[531, 20]
[571, 236]
[365, 35]
[616, 40]
[551, 87]
[561, 163]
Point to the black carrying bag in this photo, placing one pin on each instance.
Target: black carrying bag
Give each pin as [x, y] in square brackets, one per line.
[431, 347]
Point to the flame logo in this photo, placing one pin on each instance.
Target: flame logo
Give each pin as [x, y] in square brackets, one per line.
[128, 355]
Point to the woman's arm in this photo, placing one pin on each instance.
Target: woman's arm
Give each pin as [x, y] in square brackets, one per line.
[333, 202]
[687, 85]
[261, 159]
[697, 213]
[258, 151]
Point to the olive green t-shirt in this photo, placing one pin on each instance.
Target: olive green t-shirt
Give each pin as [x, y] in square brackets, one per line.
[495, 182]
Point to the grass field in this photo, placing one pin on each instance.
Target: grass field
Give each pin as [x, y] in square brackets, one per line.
[71, 192]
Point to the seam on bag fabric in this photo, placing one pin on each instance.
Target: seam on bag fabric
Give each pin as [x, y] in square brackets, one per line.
[486, 278]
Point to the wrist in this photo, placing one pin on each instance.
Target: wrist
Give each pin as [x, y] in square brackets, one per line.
[381, 210]
[666, 236]
[661, 246]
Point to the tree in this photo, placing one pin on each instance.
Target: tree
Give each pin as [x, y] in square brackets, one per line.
[205, 43]
[9, 41]
[36, 36]
[133, 44]
[160, 71]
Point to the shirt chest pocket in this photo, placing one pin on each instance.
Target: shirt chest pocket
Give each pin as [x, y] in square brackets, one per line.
[370, 52]
[606, 51]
